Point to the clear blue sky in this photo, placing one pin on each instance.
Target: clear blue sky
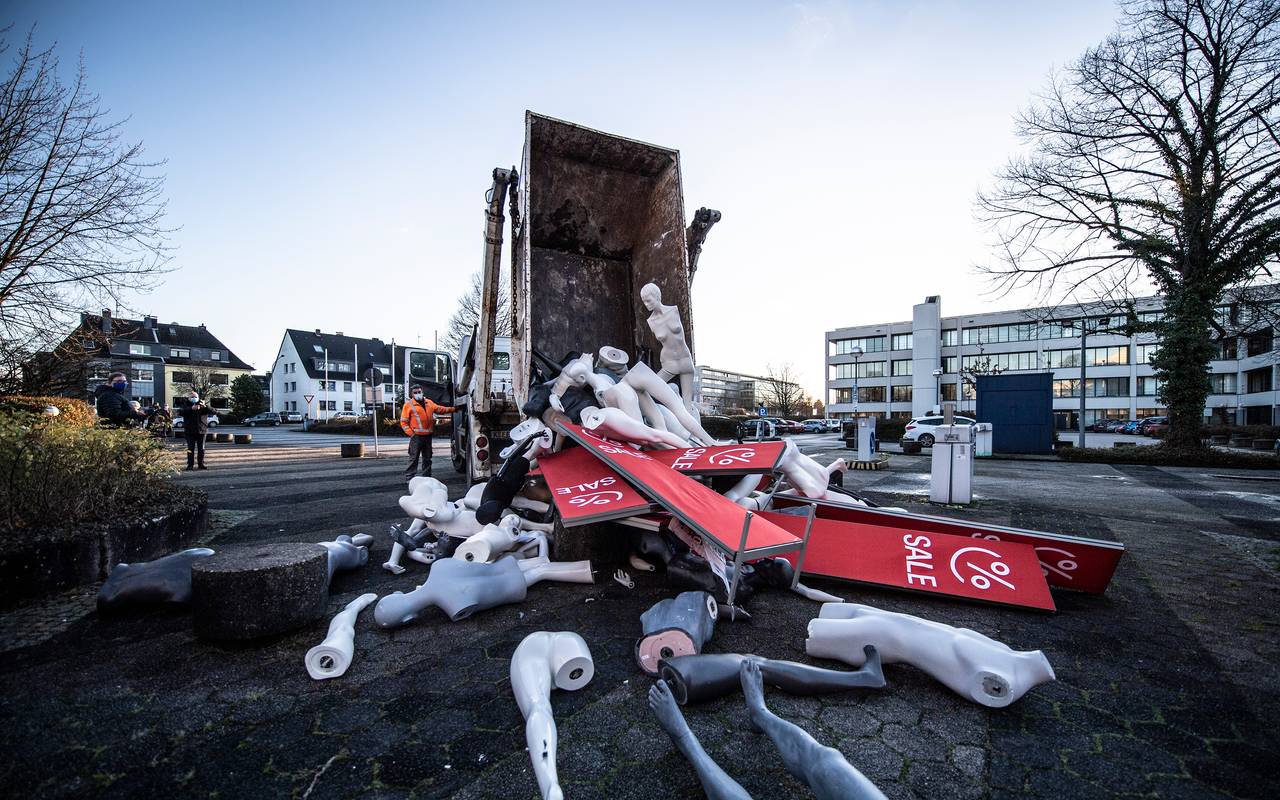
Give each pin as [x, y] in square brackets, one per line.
[326, 162]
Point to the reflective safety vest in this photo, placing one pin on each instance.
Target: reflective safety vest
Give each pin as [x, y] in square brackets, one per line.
[419, 416]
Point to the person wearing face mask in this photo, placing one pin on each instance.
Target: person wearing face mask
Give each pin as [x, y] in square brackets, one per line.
[418, 421]
[195, 427]
[113, 407]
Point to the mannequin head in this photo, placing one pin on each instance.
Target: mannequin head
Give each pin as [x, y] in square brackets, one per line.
[651, 296]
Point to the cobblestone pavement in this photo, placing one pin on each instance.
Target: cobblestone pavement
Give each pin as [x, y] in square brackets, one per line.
[1168, 686]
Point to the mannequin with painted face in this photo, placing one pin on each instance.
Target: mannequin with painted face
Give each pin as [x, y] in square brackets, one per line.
[676, 358]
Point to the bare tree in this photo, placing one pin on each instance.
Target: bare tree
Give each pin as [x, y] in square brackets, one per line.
[1156, 154]
[464, 319]
[207, 382]
[80, 210]
[782, 392]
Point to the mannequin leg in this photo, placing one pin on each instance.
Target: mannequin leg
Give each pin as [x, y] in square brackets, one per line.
[825, 770]
[715, 781]
[686, 389]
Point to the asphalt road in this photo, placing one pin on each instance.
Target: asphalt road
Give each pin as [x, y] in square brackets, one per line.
[1167, 686]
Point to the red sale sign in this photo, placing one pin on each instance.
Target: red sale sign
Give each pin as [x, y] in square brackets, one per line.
[1069, 562]
[1007, 573]
[710, 514]
[585, 490]
[723, 459]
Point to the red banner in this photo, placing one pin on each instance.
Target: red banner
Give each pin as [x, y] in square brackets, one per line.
[723, 459]
[586, 490]
[1007, 573]
[710, 514]
[1069, 562]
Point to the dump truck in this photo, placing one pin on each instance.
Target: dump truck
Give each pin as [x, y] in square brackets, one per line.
[594, 217]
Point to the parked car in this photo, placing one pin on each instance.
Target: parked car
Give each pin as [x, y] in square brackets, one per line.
[1114, 425]
[751, 428]
[265, 418]
[814, 425]
[1101, 426]
[787, 425]
[1131, 427]
[1144, 427]
[177, 422]
[344, 416]
[1158, 427]
[291, 416]
[833, 425]
[922, 429]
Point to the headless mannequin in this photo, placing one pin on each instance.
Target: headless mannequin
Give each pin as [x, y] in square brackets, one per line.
[491, 542]
[698, 678]
[715, 782]
[676, 358]
[972, 665]
[544, 660]
[347, 552]
[677, 626]
[614, 424]
[164, 580]
[646, 381]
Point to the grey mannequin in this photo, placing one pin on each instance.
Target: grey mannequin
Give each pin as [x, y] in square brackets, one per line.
[165, 580]
[698, 678]
[677, 626]
[825, 770]
[347, 552]
[715, 782]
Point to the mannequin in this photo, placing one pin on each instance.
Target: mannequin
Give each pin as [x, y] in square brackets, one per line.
[347, 552]
[643, 379]
[970, 664]
[491, 542]
[614, 424]
[676, 358]
[698, 678]
[613, 360]
[461, 588]
[715, 782]
[674, 426]
[502, 488]
[678, 626]
[530, 430]
[544, 660]
[428, 500]
[809, 477]
[824, 769]
[330, 658]
[164, 580]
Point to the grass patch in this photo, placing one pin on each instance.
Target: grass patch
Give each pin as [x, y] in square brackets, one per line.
[1161, 455]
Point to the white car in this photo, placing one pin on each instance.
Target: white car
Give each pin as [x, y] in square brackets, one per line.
[834, 425]
[347, 416]
[921, 429]
[177, 421]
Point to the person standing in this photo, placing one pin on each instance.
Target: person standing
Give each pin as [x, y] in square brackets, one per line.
[195, 427]
[112, 406]
[418, 421]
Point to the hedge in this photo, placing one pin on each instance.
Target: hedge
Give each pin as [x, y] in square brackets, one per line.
[1162, 455]
[76, 413]
[1250, 431]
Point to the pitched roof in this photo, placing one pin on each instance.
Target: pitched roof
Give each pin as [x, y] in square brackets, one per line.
[311, 346]
[170, 334]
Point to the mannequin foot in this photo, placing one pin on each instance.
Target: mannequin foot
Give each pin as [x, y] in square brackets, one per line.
[664, 707]
[753, 690]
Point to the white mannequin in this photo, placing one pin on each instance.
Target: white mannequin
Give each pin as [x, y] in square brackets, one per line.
[541, 661]
[614, 424]
[614, 360]
[676, 358]
[330, 658]
[428, 500]
[347, 552]
[574, 374]
[491, 542]
[643, 379]
[673, 425]
[970, 664]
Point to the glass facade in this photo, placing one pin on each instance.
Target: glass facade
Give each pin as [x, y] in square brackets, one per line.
[1223, 383]
[862, 369]
[1094, 357]
[869, 344]
[1093, 387]
[901, 368]
[999, 362]
[1148, 386]
[902, 341]
[901, 394]
[870, 394]
[949, 364]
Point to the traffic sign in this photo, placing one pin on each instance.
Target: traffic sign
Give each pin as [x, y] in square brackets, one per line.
[762, 411]
[308, 398]
[373, 376]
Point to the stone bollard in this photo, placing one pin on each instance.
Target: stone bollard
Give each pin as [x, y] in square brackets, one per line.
[225, 438]
[352, 449]
[1264, 444]
[250, 591]
[243, 438]
[1125, 444]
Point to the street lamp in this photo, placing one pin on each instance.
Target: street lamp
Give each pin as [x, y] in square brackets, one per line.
[937, 388]
[857, 354]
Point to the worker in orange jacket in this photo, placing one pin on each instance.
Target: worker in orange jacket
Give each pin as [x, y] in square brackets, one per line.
[418, 421]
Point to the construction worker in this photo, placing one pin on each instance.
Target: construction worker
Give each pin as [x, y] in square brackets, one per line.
[418, 421]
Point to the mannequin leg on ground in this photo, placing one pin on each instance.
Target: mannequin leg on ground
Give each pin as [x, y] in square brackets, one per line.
[715, 781]
[825, 770]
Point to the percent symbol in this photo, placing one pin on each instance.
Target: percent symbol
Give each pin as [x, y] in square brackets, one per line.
[983, 579]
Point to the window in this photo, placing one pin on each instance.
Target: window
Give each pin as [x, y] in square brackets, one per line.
[1258, 343]
[329, 405]
[219, 379]
[139, 349]
[841, 395]
[1093, 387]
[863, 369]
[1092, 415]
[901, 341]
[870, 394]
[1021, 332]
[949, 337]
[215, 355]
[141, 372]
[869, 344]
[901, 367]
[179, 352]
[1002, 362]
[346, 387]
[182, 377]
[1150, 316]
[99, 372]
[1145, 352]
[346, 405]
[1222, 383]
[949, 392]
[502, 361]
[901, 394]
[428, 367]
[1226, 349]
[1148, 386]
[1094, 357]
[1258, 380]
[220, 402]
[329, 386]
[1143, 413]
[949, 364]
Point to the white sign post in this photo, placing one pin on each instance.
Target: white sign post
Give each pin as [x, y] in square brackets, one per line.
[309, 398]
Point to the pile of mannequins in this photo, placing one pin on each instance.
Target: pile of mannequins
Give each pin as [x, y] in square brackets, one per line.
[486, 548]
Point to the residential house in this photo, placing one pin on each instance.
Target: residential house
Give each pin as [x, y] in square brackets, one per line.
[301, 371]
